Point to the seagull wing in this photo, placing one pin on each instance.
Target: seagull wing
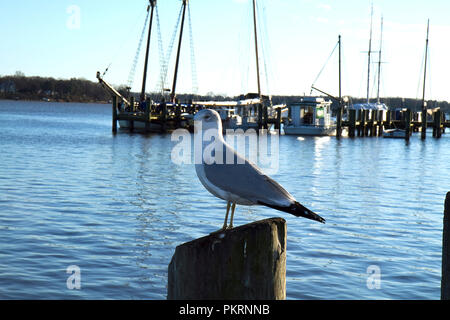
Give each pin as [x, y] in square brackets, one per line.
[246, 181]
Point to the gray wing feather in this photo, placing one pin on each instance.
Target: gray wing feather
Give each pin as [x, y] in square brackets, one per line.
[246, 181]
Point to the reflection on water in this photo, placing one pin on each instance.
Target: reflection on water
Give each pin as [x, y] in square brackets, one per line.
[71, 193]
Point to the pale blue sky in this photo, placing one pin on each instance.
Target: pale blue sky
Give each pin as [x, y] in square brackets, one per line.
[43, 38]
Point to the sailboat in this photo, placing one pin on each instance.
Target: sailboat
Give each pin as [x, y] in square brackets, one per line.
[372, 105]
[144, 114]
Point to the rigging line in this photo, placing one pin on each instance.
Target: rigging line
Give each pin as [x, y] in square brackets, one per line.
[138, 51]
[265, 45]
[160, 87]
[193, 65]
[169, 51]
[119, 50]
[326, 62]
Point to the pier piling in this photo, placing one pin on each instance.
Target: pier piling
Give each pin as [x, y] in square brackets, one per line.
[445, 277]
[114, 114]
[246, 262]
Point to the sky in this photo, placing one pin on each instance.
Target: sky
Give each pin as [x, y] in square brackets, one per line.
[77, 38]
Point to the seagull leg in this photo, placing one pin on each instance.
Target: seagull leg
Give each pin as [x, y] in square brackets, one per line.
[225, 222]
[226, 215]
[233, 207]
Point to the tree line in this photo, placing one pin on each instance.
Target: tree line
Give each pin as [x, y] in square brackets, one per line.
[20, 87]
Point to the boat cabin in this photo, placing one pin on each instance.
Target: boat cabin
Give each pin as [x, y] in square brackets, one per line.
[311, 111]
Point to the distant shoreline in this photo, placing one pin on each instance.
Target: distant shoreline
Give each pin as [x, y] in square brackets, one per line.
[20, 87]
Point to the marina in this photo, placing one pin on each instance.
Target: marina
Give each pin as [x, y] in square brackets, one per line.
[116, 191]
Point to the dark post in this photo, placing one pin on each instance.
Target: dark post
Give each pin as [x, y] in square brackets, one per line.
[247, 262]
[260, 116]
[352, 122]
[389, 119]
[114, 114]
[407, 124]
[163, 118]
[147, 114]
[278, 121]
[445, 278]
[380, 122]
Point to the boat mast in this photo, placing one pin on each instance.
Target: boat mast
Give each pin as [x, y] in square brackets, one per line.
[256, 48]
[379, 62]
[369, 52]
[340, 96]
[172, 94]
[424, 107]
[152, 5]
[339, 114]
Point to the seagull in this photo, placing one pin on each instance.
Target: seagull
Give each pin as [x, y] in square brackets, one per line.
[239, 182]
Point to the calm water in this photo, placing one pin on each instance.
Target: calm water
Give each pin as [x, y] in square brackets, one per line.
[71, 193]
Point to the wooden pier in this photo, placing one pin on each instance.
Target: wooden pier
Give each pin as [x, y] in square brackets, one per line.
[369, 123]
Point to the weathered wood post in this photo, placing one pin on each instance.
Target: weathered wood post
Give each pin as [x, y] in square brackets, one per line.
[246, 262]
[437, 124]
[407, 120]
[163, 116]
[360, 119]
[148, 114]
[114, 113]
[389, 119]
[352, 122]
[380, 123]
[133, 109]
[445, 277]
[278, 121]
[260, 116]
[365, 114]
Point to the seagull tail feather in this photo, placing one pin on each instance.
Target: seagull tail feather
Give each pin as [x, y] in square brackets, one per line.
[298, 210]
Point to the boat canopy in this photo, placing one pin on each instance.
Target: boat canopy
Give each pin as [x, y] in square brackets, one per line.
[369, 106]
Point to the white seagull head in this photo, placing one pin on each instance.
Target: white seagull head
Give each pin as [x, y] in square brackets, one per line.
[209, 119]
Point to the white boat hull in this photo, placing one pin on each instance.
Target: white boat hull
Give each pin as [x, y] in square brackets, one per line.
[309, 130]
[394, 134]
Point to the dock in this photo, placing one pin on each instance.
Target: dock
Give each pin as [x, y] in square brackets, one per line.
[369, 123]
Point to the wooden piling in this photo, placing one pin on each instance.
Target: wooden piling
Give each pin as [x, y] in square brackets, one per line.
[360, 118]
[407, 119]
[445, 277]
[163, 117]
[114, 113]
[278, 121]
[380, 123]
[260, 116]
[148, 114]
[352, 122]
[339, 122]
[437, 116]
[389, 119]
[247, 262]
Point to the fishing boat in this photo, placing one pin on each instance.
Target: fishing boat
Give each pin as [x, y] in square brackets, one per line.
[311, 116]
